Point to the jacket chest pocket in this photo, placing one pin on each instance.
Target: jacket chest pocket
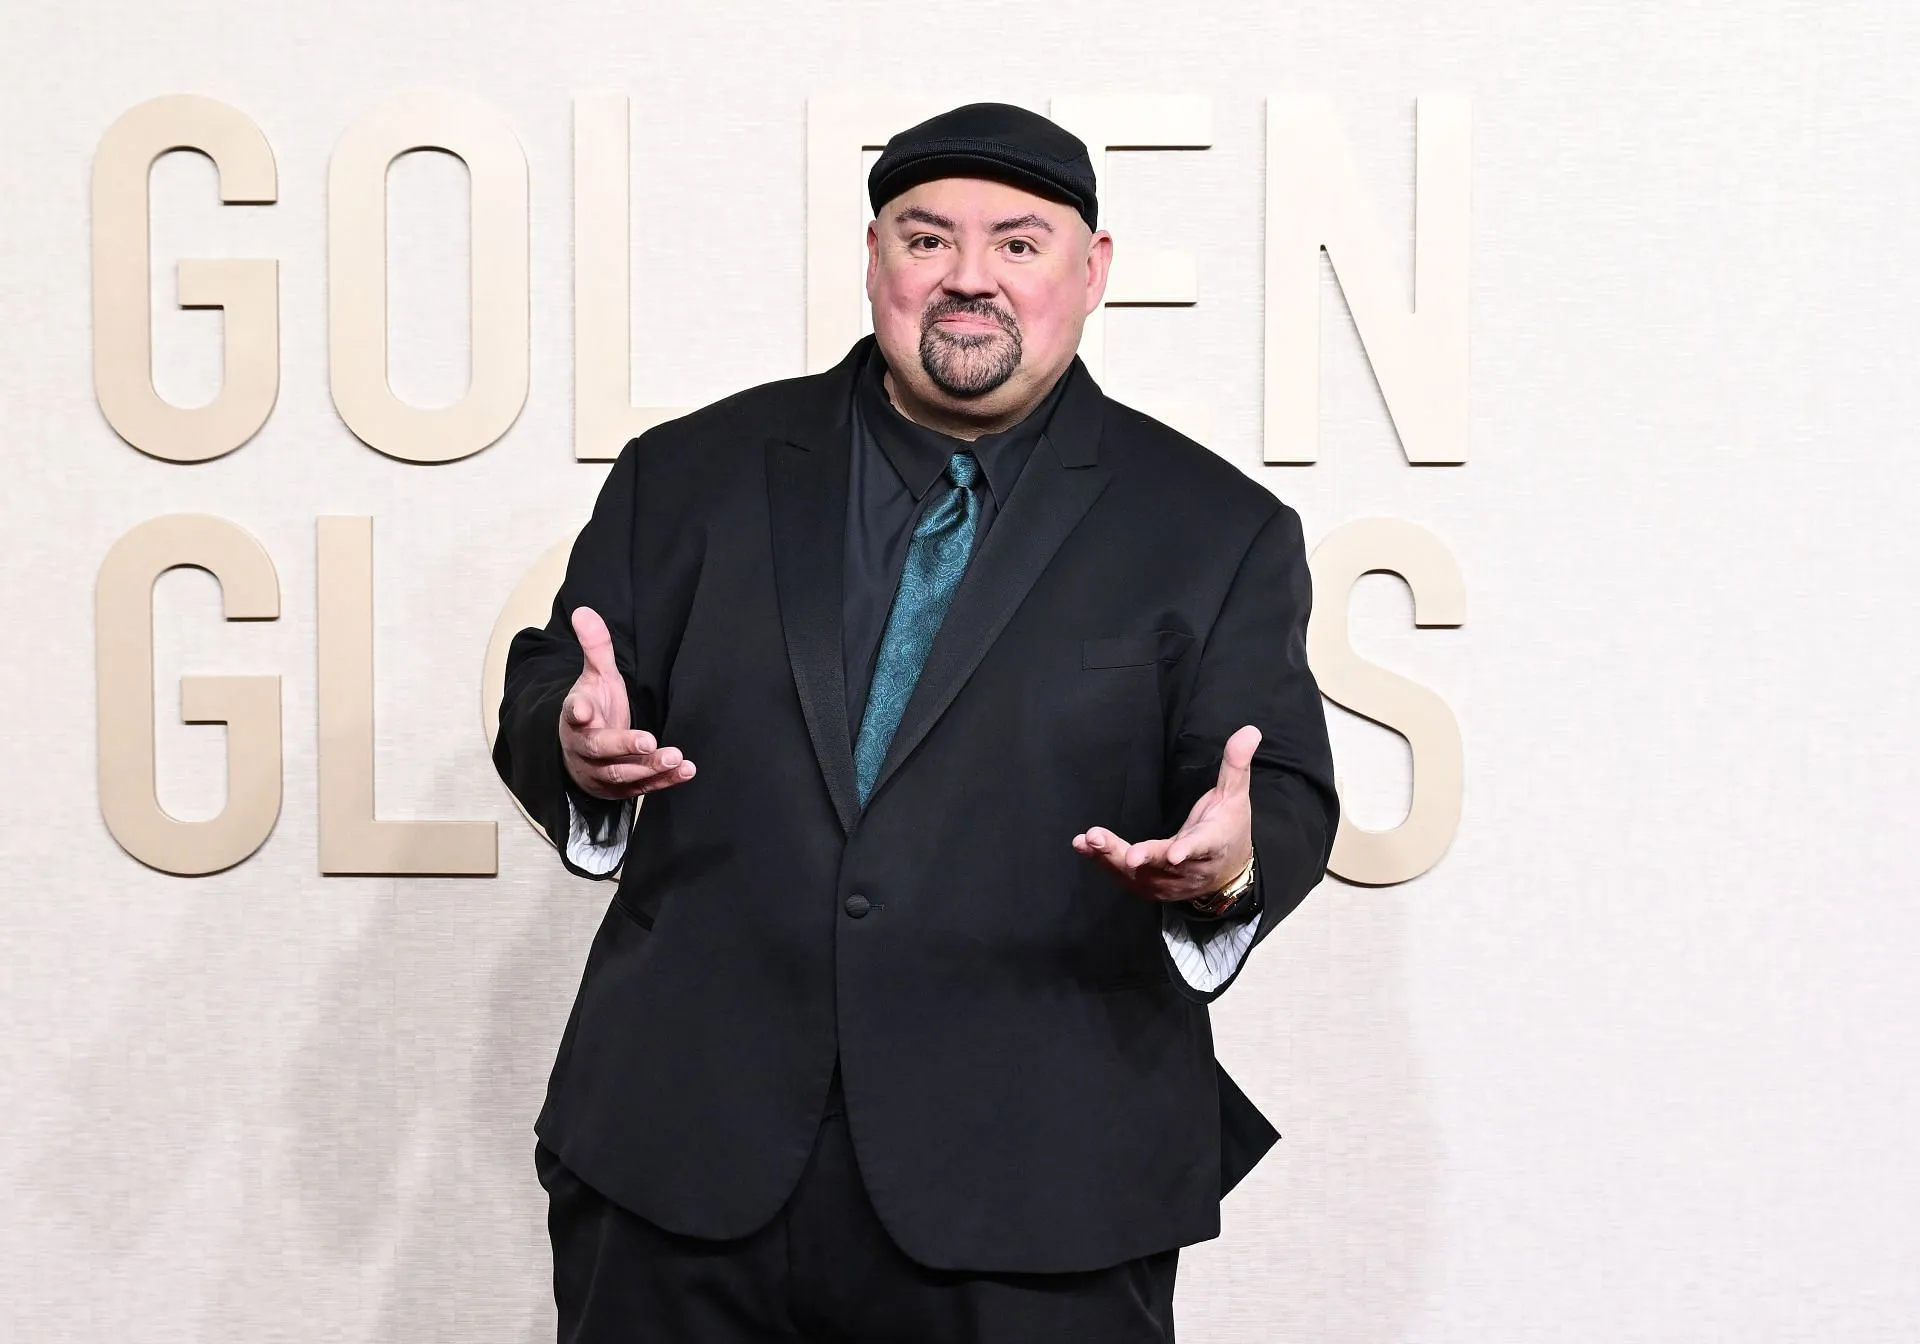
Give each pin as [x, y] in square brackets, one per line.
[1130, 677]
[1158, 646]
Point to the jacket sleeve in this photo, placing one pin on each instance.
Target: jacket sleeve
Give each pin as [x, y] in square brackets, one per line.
[543, 664]
[1253, 669]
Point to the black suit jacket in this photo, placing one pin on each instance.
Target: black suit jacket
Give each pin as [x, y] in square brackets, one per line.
[1029, 1085]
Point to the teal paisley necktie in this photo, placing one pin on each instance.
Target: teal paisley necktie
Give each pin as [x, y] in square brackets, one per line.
[936, 558]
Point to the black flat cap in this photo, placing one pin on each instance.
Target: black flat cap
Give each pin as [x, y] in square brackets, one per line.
[991, 140]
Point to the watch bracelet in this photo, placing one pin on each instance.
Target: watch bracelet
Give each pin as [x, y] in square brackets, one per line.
[1223, 900]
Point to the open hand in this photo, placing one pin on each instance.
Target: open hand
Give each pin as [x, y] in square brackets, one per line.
[605, 757]
[1206, 853]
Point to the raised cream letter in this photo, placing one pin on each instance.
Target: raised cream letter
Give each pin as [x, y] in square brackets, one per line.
[1314, 201]
[1393, 546]
[249, 706]
[357, 277]
[248, 291]
[352, 838]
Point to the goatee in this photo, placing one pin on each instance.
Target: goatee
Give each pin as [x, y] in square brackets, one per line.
[968, 366]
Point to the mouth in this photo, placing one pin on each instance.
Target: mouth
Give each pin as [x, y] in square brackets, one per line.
[967, 324]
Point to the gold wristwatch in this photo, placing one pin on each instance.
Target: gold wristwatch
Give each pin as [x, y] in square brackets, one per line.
[1227, 897]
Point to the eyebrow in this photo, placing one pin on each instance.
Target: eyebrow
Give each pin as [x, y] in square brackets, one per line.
[1020, 222]
[921, 215]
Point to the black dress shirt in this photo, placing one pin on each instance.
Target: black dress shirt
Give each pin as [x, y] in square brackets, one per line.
[890, 482]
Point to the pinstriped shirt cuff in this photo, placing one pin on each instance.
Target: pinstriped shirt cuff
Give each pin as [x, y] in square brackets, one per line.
[1206, 961]
[599, 855]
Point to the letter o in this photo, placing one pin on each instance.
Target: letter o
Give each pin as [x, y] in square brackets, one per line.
[357, 277]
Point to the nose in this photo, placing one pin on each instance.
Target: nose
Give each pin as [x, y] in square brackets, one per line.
[971, 275]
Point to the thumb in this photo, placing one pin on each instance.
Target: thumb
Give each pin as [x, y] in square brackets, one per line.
[1236, 760]
[595, 642]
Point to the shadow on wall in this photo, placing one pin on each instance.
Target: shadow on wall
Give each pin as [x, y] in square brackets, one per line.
[350, 1162]
[1334, 1238]
[236, 1160]
[413, 1099]
[154, 1125]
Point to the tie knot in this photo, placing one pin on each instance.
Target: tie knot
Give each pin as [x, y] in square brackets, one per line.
[963, 470]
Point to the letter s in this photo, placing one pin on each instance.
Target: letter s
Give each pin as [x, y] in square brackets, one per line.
[1393, 546]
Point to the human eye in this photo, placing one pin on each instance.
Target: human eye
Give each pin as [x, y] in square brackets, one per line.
[925, 242]
[1019, 247]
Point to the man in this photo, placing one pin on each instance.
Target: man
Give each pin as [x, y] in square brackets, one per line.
[978, 743]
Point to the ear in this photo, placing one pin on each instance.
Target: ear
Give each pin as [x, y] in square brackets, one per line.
[1099, 261]
[873, 255]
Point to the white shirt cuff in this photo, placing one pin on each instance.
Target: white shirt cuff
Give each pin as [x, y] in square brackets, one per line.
[597, 858]
[1208, 962]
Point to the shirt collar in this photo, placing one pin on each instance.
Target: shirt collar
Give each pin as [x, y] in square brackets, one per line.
[920, 455]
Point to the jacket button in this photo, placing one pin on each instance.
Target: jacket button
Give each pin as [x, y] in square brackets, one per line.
[857, 906]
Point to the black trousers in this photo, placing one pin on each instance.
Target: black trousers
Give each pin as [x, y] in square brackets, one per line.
[824, 1270]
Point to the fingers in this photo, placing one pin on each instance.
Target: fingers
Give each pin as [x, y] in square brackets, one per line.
[1125, 859]
[629, 776]
[1236, 761]
[1196, 844]
[608, 746]
[1099, 843]
[1104, 847]
[595, 642]
[578, 712]
[1146, 856]
[1189, 864]
[629, 781]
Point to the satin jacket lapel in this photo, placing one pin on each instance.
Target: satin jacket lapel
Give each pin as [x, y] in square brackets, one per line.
[807, 499]
[1058, 486]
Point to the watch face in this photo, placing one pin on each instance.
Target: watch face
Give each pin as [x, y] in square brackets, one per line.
[1217, 904]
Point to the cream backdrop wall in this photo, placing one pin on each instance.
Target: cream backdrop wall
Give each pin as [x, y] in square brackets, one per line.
[1635, 1061]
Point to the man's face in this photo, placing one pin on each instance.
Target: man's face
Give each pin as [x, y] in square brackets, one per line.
[979, 293]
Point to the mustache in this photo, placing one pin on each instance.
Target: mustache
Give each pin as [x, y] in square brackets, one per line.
[957, 307]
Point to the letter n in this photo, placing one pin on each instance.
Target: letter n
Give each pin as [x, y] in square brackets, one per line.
[1314, 201]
